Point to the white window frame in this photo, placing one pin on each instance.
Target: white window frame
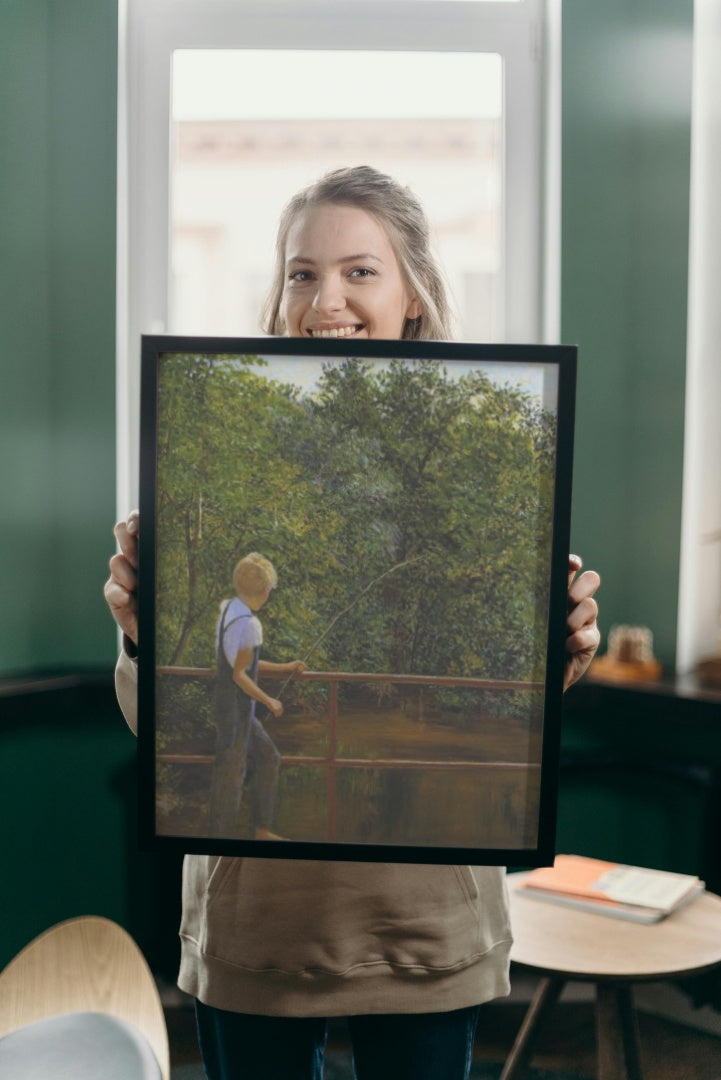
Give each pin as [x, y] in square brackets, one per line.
[699, 596]
[526, 34]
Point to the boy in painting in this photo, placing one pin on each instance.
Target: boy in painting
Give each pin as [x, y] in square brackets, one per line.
[243, 747]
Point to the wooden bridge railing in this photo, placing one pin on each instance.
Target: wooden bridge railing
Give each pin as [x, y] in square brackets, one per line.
[331, 762]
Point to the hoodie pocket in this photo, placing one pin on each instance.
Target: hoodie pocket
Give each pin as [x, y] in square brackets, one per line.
[295, 916]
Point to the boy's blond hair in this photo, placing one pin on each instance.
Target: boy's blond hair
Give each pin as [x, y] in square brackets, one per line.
[253, 574]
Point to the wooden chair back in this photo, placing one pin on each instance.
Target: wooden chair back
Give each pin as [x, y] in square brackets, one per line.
[87, 964]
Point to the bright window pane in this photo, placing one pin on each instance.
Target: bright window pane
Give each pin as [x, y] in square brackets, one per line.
[252, 127]
[455, 1]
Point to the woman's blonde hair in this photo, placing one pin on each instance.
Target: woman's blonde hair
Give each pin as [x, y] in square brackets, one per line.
[403, 217]
[253, 574]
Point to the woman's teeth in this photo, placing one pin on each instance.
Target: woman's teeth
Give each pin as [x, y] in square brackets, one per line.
[337, 331]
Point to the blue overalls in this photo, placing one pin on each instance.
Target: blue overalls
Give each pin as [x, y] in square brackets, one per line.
[243, 750]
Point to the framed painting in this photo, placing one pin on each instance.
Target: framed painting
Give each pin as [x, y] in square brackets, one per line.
[352, 597]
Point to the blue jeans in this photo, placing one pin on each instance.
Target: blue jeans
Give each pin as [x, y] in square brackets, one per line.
[414, 1046]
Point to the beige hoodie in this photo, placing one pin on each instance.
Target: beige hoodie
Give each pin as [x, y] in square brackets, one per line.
[286, 937]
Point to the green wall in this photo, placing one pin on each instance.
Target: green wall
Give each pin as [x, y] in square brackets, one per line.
[625, 201]
[58, 72]
[67, 772]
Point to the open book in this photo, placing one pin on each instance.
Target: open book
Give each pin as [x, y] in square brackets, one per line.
[608, 888]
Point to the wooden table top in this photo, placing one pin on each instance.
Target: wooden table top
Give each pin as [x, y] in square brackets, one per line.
[559, 940]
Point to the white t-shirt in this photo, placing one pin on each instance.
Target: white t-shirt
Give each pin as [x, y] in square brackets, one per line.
[243, 630]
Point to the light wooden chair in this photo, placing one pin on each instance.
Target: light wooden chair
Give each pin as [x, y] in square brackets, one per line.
[89, 972]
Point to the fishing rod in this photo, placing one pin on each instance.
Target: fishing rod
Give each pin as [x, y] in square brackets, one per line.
[344, 611]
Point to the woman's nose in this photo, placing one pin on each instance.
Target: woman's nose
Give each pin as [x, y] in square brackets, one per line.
[329, 296]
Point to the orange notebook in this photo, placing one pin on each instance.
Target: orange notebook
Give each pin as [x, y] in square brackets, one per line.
[631, 892]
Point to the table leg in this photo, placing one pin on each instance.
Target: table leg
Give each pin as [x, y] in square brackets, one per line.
[617, 1033]
[545, 997]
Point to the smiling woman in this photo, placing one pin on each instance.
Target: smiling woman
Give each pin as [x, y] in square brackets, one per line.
[353, 259]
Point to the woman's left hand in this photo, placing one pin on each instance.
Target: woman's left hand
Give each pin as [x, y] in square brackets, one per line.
[583, 635]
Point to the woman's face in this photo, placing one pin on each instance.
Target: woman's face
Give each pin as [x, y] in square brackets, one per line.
[342, 277]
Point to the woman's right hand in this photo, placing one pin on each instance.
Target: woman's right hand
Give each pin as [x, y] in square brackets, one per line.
[121, 587]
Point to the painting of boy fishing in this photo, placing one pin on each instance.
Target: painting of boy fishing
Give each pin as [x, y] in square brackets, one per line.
[352, 598]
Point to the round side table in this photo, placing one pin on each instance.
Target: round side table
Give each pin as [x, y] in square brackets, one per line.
[563, 944]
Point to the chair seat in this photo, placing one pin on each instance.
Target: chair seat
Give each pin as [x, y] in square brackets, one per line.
[78, 1046]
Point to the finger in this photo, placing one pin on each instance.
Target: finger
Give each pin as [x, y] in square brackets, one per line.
[126, 534]
[586, 640]
[122, 607]
[582, 614]
[123, 573]
[118, 598]
[575, 564]
[585, 585]
[127, 541]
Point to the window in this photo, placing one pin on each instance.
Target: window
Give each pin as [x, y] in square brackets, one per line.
[236, 159]
[227, 107]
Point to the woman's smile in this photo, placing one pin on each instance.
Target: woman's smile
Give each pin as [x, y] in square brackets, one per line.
[335, 331]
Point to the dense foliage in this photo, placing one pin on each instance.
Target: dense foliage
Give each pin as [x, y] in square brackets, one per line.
[407, 513]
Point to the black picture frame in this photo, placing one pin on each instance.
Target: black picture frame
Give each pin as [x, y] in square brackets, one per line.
[414, 498]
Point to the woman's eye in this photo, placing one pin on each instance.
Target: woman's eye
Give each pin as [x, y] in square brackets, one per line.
[362, 272]
[300, 276]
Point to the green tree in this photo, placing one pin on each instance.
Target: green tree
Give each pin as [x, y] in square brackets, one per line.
[448, 479]
[226, 485]
[406, 511]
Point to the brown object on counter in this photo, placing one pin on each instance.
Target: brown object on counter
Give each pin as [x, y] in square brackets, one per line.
[709, 671]
[629, 658]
